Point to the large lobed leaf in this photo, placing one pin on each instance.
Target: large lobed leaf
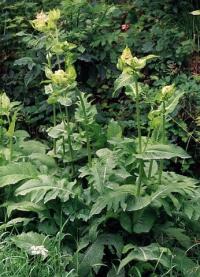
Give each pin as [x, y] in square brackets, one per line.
[152, 252]
[46, 188]
[163, 151]
[15, 172]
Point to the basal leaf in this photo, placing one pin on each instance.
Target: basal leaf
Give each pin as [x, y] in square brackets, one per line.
[15, 222]
[152, 252]
[15, 172]
[23, 206]
[46, 188]
[31, 146]
[31, 240]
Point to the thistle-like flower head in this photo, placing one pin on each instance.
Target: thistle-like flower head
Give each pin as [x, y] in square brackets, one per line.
[130, 64]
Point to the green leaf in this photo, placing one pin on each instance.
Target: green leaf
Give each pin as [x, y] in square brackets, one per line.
[152, 252]
[126, 222]
[15, 172]
[43, 159]
[114, 130]
[123, 80]
[32, 146]
[162, 151]
[113, 199]
[171, 183]
[179, 235]
[26, 241]
[101, 170]
[15, 222]
[171, 104]
[145, 222]
[23, 206]
[25, 61]
[57, 131]
[11, 128]
[46, 188]
[85, 111]
[94, 254]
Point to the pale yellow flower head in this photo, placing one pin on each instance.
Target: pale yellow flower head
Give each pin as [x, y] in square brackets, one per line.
[42, 17]
[130, 64]
[167, 91]
[46, 21]
[59, 77]
[40, 23]
[127, 56]
[4, 104]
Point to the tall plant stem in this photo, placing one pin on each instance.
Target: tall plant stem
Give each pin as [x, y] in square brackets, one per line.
[70, 141]
[150, 169]
[11, 148]
[54, 124]
[163, 141]
[10, 140]
[138, 118]
[89, 152]
[1, 130]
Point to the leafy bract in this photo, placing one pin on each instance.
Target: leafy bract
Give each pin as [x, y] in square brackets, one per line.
[123, 80]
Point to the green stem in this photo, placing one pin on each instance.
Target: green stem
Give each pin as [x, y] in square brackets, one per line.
[86, 130]
[138, 118]
[1, 131]
[10, 148]
[150, 169]
[54, 124]
[163, 141]
[70, 141]
[10, 141]
[57, 56]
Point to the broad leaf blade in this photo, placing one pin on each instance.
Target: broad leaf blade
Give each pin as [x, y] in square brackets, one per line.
[13, 173]
[162, 151]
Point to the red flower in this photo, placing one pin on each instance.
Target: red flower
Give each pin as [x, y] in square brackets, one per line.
[125, 27]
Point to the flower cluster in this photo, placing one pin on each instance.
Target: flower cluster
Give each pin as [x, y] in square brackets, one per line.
[46, 21]
[39, 250]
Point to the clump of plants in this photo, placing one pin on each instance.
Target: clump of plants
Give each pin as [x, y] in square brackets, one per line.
[89, 199]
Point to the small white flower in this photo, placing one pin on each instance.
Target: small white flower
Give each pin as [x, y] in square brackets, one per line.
[39, 250]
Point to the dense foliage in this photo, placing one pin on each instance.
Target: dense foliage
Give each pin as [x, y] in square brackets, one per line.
[99, 138]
